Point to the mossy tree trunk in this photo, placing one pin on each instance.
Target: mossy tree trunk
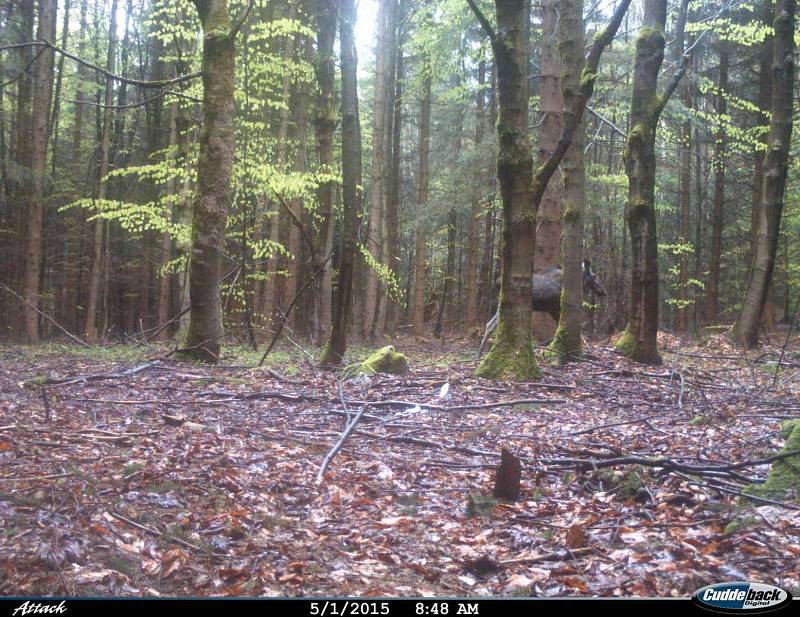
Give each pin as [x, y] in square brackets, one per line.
[522, 191]
[511, 355]
[213, 196]
[639, 341]
[776, 166]
[334, 350]
[567, 340]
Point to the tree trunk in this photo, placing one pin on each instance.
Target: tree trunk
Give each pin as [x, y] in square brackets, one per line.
[213, 195]
[639, 341]
[548, 220]
[395, 108]
[422, 199]
[511, 355]
[324, 125]
[684, 177]
[567, 339]
[377, 189]
[34, 201]
[776, 164]
[712, 299]
[91, 331]
[473, 248]
[335, 348]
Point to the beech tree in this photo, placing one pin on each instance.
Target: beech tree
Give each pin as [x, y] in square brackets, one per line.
[214, 195]
[775, 170]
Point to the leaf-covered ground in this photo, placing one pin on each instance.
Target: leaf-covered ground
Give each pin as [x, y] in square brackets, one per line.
[124, 475]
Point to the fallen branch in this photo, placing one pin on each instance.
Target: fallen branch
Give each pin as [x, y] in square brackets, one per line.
[46, 316]
[338, 446]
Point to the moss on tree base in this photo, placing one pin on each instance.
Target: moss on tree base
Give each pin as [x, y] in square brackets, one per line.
[509, 359]
[783, 481]
[629, 347]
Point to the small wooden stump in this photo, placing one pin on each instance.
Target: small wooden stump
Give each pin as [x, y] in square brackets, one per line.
[507, 477]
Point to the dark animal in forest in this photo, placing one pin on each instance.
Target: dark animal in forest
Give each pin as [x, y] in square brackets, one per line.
[547, 294]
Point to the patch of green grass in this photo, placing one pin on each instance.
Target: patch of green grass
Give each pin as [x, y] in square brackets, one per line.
[132, 468]
[166, 486]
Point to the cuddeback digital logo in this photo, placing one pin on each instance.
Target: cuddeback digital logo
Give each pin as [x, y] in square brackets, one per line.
[741, 597]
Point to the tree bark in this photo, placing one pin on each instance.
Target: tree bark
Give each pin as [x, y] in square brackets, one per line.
[335, 348]
[712, 299]
[639, 341]
[91, 330]
[548, 220]
[213, 196]
[511, 355]
[325, 121]
[377, 189]
[34, 199]
[422, 199]
[776, 165]
[473, 248]
[567, 339]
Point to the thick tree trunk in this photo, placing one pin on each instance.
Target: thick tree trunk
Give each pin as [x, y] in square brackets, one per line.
[776, 164]
[567, 339]
[34, 200]
[335, 348]
[213, 196]
[548, 220]
[712, 299]
[511, 355]
[418, 319]
[639, 341]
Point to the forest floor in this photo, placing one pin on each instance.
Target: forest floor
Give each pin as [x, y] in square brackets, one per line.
[122, 474]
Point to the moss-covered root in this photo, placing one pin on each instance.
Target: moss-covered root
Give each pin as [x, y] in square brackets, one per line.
[559, 348]
[509, 358]
[783, 481]
[385, 360]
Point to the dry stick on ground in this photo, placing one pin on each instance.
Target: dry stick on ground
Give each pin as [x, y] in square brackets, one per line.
[97, 377]
[46, 316]
[338, 446]
[158, 534]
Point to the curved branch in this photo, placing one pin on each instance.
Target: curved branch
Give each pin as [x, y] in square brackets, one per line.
[487, 27]
[142, 83]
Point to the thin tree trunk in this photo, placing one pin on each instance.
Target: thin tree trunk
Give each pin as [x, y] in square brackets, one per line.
[776, 165]
[335, 348]
[712, 299]
[34, 201]
[422, 199]
[324, 125]
[475, 211]
[91, 330]
[395, 108]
